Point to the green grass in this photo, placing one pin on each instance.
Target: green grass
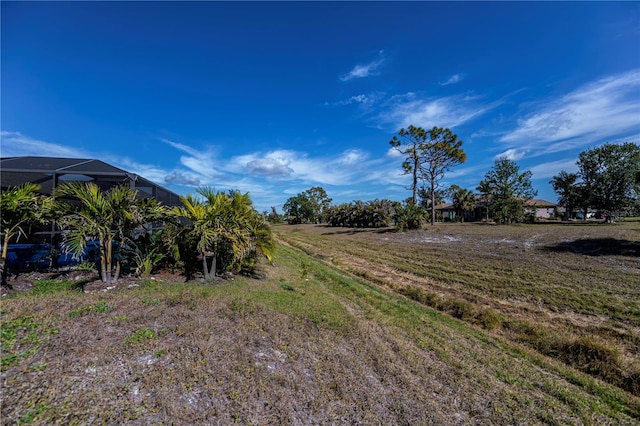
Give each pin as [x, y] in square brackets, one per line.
[320, 347]
[21, 339]
[569, 283]
[405, 316]
[140, 335]
[100, 307]
[55, 286]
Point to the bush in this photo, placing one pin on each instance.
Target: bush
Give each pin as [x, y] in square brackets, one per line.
[490, 319]
[409, 217]
[592, 356]
[459, 309]
[358, 214]
[430, 299]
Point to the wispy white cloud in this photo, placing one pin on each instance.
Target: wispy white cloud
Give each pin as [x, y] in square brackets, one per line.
[511, 154]
[15, 144]
[353, 157]
[364, 70]
[411, 109]
[148, 171]
[361, 99]
[182, 147]
[348, 167]
[468, 172]
[393, 153]
[201, 165]
[550, 169]
[199, 162]
[606, 108]
[452, 80]
[247, 172]
[627, 138]
[316, 170]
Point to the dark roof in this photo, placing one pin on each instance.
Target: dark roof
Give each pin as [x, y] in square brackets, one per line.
[58, 165]
[47, 171]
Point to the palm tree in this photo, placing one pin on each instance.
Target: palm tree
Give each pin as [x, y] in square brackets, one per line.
[108, 217]
[261, 241]
[217, 222]
[21, 206]
[463, 200]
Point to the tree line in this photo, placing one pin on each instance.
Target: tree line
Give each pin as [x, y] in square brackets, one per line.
[221, 231]
[608, 181]
[211, 231]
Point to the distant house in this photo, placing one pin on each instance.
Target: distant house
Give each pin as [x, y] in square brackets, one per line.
[448, 213]
[541, 209]
[446, 210]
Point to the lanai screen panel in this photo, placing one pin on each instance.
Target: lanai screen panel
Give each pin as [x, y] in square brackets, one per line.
[50, 171]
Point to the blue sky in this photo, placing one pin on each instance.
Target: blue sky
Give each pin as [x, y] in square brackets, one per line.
[274, 98]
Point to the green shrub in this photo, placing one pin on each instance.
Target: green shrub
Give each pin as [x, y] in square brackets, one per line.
[409, 217]
[147, 262]
[490, 319]
[592, 356]
[100, 307]
[430, 299]
[55, 286]
[139, 336]
[459, 309]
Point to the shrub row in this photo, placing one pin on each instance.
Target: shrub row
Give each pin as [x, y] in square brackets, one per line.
[376, 214]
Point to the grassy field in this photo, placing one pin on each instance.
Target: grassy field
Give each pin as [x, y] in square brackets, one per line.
[571, 291]
[459, 324]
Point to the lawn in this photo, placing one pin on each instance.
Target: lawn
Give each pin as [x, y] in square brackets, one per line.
[570, 291]
[350, 327]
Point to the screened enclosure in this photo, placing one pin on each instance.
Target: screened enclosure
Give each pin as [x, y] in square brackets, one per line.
[42, 248]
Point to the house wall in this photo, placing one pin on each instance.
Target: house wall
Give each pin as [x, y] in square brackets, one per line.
[544, 212]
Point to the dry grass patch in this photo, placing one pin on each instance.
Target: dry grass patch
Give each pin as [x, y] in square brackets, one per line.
[551, 287]
[310, 345]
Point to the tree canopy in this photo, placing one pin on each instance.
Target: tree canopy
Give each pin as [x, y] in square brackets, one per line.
[441, 151]
[507, 190]
[610, 176]
[429, 154]
[463, 200]
[408, 142]
[309, 206]
[565, 186]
